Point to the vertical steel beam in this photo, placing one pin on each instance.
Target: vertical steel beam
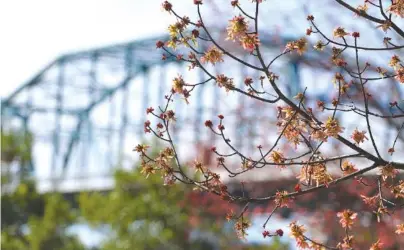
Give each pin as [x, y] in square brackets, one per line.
[29, 166]
[109, 155]
[216, 104]
[295, 78]
[162, 86]
[59, 107]
[87, 143]
[124, 108]
[199, 108]
[145, 98]
[241, 111]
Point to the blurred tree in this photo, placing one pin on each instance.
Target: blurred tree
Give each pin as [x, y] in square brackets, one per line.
[141, 213]
[15, 148]
[276, 244]
[16, 145]
[34, 221]
[30, 220]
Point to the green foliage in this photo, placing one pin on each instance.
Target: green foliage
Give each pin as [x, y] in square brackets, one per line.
[31, 220]
[16, 206]
[140, 212]
[275, 244]
[37, 222]
[16, 145]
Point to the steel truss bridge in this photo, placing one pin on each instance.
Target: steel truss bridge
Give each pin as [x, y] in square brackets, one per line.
[86, 109]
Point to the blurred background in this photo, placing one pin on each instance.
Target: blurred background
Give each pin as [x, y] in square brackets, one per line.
[77, 78]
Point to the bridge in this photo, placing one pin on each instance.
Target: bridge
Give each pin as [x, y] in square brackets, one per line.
[86, 110]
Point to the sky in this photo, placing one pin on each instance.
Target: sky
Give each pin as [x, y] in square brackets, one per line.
[36, 32]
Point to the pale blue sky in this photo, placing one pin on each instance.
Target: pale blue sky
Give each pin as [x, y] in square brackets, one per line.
[36, 32]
